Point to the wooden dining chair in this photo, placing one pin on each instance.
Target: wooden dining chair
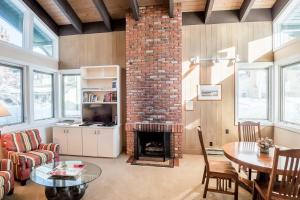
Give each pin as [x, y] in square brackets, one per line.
[222, 171]
[248, 132]
[284, 181]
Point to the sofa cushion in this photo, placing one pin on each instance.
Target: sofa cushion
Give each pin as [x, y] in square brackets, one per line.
[38, 157]
[34, 138]
[22, 141]
[14, 141]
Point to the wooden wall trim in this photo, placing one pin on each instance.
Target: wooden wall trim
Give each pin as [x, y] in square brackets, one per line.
[230, 16]
[188, 18]
[42, 14]
[92, 27]
[68, 11]
[278, 7]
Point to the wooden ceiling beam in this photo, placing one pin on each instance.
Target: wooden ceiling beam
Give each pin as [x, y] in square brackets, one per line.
[42, 14]
[208, 10]
[68, 11]
[135, 9]
[245, 9]
[102, 9]
[279, 6]
[171, 8]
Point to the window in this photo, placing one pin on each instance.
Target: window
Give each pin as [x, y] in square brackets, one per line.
[71, 95]
[43, 95]
[287, 27]
[42, 41]
[11, 23]
[11, 90]
[253, 94]
[290, 94]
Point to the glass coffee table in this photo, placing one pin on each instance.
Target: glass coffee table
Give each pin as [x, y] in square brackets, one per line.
[66, 189]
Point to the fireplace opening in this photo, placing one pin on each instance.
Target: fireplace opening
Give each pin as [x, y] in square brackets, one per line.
[152, 145]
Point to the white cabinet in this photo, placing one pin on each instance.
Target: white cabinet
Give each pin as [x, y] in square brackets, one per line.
[90, 142]
[60, 137]
[69, 139]
[106, 143]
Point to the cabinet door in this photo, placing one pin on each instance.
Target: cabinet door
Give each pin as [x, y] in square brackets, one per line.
[60, 137]
[74, 141]
[105, 143]
[90, 142]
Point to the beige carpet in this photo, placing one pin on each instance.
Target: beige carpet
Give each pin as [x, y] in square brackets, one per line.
[122, 181]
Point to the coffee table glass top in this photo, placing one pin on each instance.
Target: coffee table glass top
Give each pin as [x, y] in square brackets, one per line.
[41, 174]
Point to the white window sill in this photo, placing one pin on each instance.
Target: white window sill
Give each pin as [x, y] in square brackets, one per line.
[288, 126]
[26, 126]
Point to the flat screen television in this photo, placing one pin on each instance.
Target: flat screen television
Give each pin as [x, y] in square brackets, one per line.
[97, 113]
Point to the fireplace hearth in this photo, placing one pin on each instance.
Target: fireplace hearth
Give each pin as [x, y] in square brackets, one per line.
[151, 145]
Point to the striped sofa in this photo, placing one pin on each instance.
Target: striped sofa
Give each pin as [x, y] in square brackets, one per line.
[6, 178]
[26, 150]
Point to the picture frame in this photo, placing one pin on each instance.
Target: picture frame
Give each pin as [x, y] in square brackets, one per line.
[209, 92]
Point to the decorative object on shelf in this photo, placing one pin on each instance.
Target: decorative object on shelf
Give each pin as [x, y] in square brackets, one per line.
[265, 144]
[209, 92]
[3, 113]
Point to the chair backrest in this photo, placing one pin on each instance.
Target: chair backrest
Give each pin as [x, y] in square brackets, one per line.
[286, 166]
[249, 131]
[203, 147]
[21, 141]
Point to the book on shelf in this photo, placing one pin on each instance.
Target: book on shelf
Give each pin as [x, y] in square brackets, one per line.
[67, 171]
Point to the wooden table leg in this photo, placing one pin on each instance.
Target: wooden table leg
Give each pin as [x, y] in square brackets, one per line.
[248, 184]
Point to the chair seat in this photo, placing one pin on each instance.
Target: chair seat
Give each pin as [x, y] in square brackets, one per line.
[38, 157]
[222, 168]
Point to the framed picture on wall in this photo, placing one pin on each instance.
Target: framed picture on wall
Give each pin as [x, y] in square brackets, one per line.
[209, 92]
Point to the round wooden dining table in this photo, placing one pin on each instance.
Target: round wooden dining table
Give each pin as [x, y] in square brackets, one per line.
[248, 155]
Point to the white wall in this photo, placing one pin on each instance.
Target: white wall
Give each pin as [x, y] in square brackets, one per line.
[14, 54]
[283, 135]
[17, 55]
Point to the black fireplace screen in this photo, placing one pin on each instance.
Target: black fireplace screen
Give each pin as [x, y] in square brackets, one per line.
[152, 144]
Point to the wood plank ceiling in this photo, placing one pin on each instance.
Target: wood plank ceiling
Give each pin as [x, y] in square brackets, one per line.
[89, 11]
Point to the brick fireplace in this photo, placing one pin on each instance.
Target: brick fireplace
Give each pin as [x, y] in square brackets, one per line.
[153, 76]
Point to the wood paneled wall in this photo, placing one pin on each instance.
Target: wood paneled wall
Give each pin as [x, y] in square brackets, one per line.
[248, 42]
[92, 49]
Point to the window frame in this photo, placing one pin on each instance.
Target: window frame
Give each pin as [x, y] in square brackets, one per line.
[276, 28]
[23, 92]
[270, 108]
[20, 5]
[63, 74]
[281, 95]
[53, 95]
[44, 28]
[27, 37]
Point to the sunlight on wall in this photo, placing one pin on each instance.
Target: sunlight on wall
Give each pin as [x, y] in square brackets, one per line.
[221, 71]
[259, 48]
[190, 80]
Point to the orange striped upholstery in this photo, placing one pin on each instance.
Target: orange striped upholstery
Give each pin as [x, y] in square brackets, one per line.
[26, 151]
[22, 141]
[6, 177]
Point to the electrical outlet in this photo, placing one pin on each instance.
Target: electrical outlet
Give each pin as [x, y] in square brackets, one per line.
[227, 131]
[211, 144]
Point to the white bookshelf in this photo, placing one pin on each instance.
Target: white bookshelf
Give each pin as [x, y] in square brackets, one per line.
[97, 86]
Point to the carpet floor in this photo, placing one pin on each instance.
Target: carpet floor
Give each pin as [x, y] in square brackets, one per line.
[122, 181]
